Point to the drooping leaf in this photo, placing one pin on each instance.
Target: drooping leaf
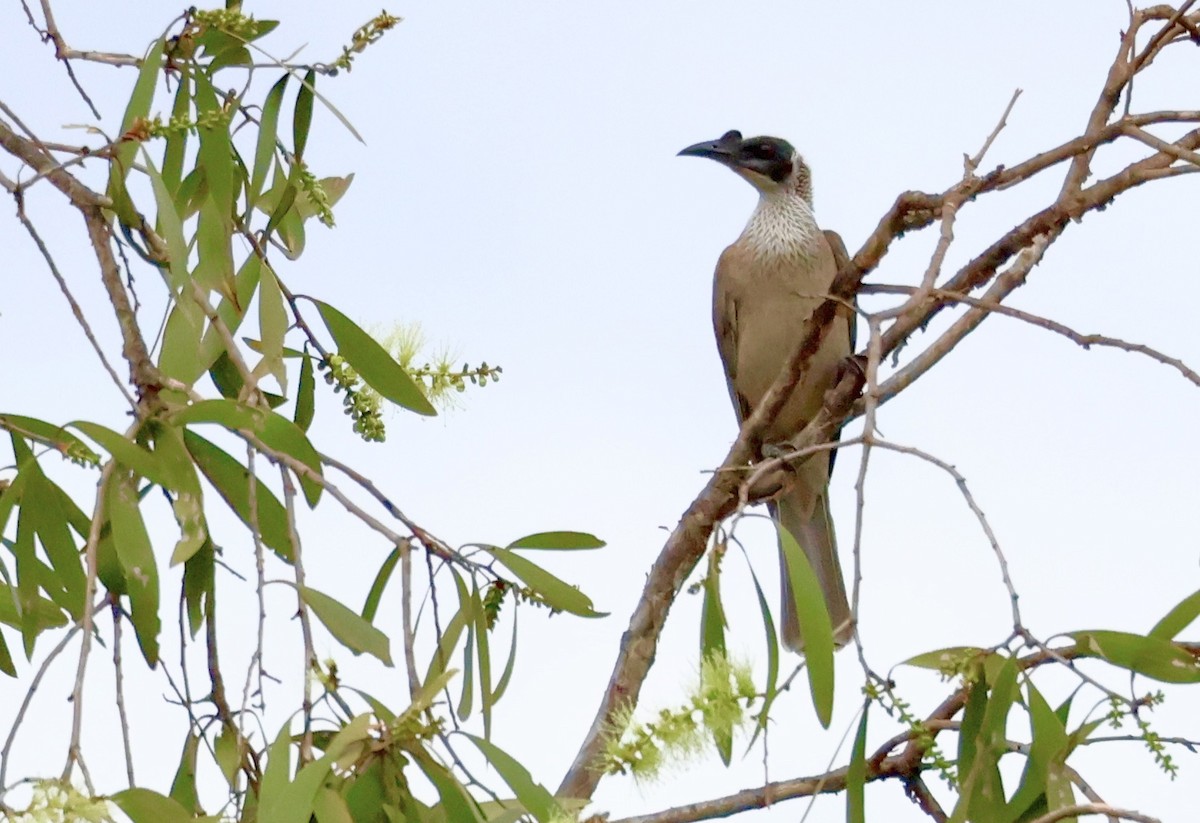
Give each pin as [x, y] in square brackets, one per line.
[457, 804]
[1048, 744]
[305, 395]
[183, 787]
[273, 325]
[284, 436]
[377, 368]
[509, 664]
[264, 152]
[553, 591]
[347, 626]
[770, 691]
[177, 139]
[856, 772]
[815, 625]
[532, 795]
[50, 524]
[198, 583]
[371, 605]
[484, 652]
[232, 481]
[216, 147]
[187, 503]
[302, 116]
[6, 662]
[136, 556]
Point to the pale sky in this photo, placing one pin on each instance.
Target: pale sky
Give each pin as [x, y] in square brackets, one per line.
[519, 196]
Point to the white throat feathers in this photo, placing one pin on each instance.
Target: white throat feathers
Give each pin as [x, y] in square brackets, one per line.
[782, 225]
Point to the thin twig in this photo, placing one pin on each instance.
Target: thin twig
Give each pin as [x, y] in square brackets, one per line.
[310, 654]
[119, 674]
[89, 594]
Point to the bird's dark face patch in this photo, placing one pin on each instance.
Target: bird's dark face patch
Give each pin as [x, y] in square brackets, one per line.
[769, 156]
[762, 157]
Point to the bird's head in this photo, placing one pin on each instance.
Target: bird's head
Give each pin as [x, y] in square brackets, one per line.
[770, 164]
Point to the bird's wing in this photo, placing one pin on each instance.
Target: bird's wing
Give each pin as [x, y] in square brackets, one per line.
[725, 324]
[841, 260]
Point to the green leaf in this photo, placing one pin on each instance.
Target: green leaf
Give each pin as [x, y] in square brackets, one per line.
[28, 573]
[6, 662]
[371, 606]
[45, 614]
[214, 263]
[532, 795]
[447, 643]
[173, 155]
[273, 324]
[232, 481]
[771, 690]
[856, 772]
[466, 698]
[483, 650]
[377, 368]
[1059, 794]
[216, 147]
[137, 561]
[1152, 656]
[145, 806]
[981, 743]
[305, 395]
[228, 749]
[138, 109]
[330, 807]
[183, 787]
[558, 541]
[553, 591]
[347, 627]
[712, 613]
[296, 802]
[282, 435]
[50, 524]
[303, 114]
[188, 502]
[264, 151]
[455, 801]
[1178, 619]
[228, 413]
[291, 230]
[815, 626]
[471, 608]
[143, 461]
[57, 437]
[1048, 745]
[198, 584]
[509, 664]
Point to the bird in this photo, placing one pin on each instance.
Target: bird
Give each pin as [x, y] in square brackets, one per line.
[766, 284]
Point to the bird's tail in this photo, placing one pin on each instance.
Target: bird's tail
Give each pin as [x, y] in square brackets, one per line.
[816, 538]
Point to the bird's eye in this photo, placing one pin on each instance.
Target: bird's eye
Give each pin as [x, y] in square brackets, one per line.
[761, 151]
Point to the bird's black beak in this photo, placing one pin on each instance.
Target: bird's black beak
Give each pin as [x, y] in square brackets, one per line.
[724, 151]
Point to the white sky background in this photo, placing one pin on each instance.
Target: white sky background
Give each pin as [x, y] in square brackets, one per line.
[519, 196]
